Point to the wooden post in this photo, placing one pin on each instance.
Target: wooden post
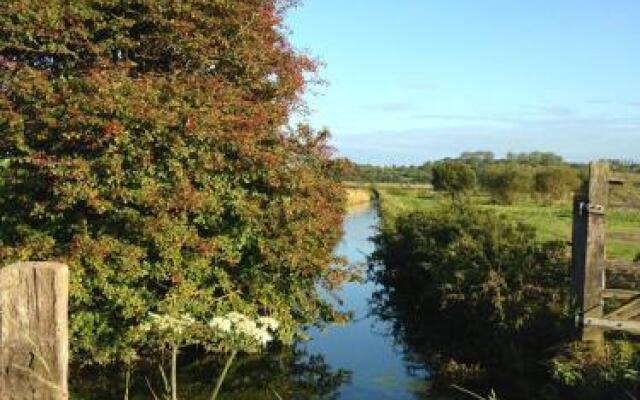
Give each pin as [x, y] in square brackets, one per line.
[589, 250]
[33, 331]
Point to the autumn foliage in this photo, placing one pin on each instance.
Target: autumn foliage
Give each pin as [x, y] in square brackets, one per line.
[145, 146]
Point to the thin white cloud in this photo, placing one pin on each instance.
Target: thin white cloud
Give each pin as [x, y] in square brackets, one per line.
[575, 138]
[557, 111]
[390, 107]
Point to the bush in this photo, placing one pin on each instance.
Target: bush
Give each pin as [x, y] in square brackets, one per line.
[556, 182]
[146, 149]
[497, 291]
[594, 375]
[506, 181]
[454, 178]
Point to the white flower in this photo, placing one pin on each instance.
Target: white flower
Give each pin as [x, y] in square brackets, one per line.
[167, 323]
[263, 337]
[270, 323]
[256, 331]
[246, 327]
[222, 324]
[237, 317]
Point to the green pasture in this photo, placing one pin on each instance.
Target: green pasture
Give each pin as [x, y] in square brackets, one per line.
[552, 219]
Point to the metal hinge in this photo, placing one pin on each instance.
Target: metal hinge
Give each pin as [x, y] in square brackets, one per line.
[588, 208]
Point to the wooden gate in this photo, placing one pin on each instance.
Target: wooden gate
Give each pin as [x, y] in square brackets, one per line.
[592, 272]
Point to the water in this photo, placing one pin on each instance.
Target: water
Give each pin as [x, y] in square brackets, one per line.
[345, 362]
[362, 346]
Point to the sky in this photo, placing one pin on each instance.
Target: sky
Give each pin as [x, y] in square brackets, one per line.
[417, 80]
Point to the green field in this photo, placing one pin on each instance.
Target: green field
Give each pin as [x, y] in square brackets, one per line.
[553, 221]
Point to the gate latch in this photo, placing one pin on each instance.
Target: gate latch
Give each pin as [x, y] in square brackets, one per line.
[588, 208]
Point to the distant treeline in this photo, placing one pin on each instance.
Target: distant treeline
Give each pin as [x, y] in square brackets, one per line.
[477, 159]
[395, 173]
[542, 174]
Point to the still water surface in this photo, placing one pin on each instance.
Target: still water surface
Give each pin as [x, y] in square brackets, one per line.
[363, 346]
[354, 361]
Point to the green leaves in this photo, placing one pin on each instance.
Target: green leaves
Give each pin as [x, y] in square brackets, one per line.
[160, 174]
[453, 177]
[467, 284]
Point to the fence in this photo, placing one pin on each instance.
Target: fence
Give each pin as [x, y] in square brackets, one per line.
[592, 272]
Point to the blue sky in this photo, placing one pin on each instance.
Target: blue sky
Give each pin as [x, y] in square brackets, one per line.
[415, 80]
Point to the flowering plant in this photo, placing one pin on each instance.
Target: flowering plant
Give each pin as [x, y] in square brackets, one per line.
[240, 332]
[233, 332]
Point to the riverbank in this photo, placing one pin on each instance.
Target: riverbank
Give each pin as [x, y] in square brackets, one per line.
[485, 301]
[358, 198]
[375, 375]
[336, 362]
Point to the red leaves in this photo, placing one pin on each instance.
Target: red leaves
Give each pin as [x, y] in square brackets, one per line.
[185, 198]
[161, 150]
[39, 159]
[190, 123]
[113, 129]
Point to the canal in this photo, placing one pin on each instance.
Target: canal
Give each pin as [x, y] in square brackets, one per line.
[363, 346]
[356, 360]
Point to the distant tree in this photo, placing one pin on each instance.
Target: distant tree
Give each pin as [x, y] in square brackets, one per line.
[477, 157]
[394, 173]
[453, 177]
[506, 181]
[625, 165]
[556, 182]
[535, 158]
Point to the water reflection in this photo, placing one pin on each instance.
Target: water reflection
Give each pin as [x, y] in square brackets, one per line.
[287, 374]
[358, 360]
[380, 370]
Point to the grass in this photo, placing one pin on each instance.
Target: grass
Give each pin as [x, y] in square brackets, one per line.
[387, 185]
[553, 221]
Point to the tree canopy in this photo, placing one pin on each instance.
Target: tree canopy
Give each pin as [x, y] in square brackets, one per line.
[145, 147]
[453, 177]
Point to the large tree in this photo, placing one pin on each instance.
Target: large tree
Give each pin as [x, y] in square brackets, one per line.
[145, 147]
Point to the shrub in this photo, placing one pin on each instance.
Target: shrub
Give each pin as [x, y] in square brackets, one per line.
[591, 374]
[146, 149]
[506, 181]
[454, 178]
[496, 290]
[556, 182]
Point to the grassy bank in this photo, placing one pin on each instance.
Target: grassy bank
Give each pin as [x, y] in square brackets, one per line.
[358, 198]
[485, 302]
[552, 221]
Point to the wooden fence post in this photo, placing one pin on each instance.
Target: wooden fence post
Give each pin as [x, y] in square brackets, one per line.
[33, 331]
[589, 250]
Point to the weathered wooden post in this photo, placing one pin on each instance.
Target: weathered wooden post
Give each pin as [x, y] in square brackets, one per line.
[588, 255]
[33, 331]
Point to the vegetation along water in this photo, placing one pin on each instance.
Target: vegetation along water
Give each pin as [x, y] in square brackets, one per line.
[355, 360]
[475, 275]
[154, 148]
